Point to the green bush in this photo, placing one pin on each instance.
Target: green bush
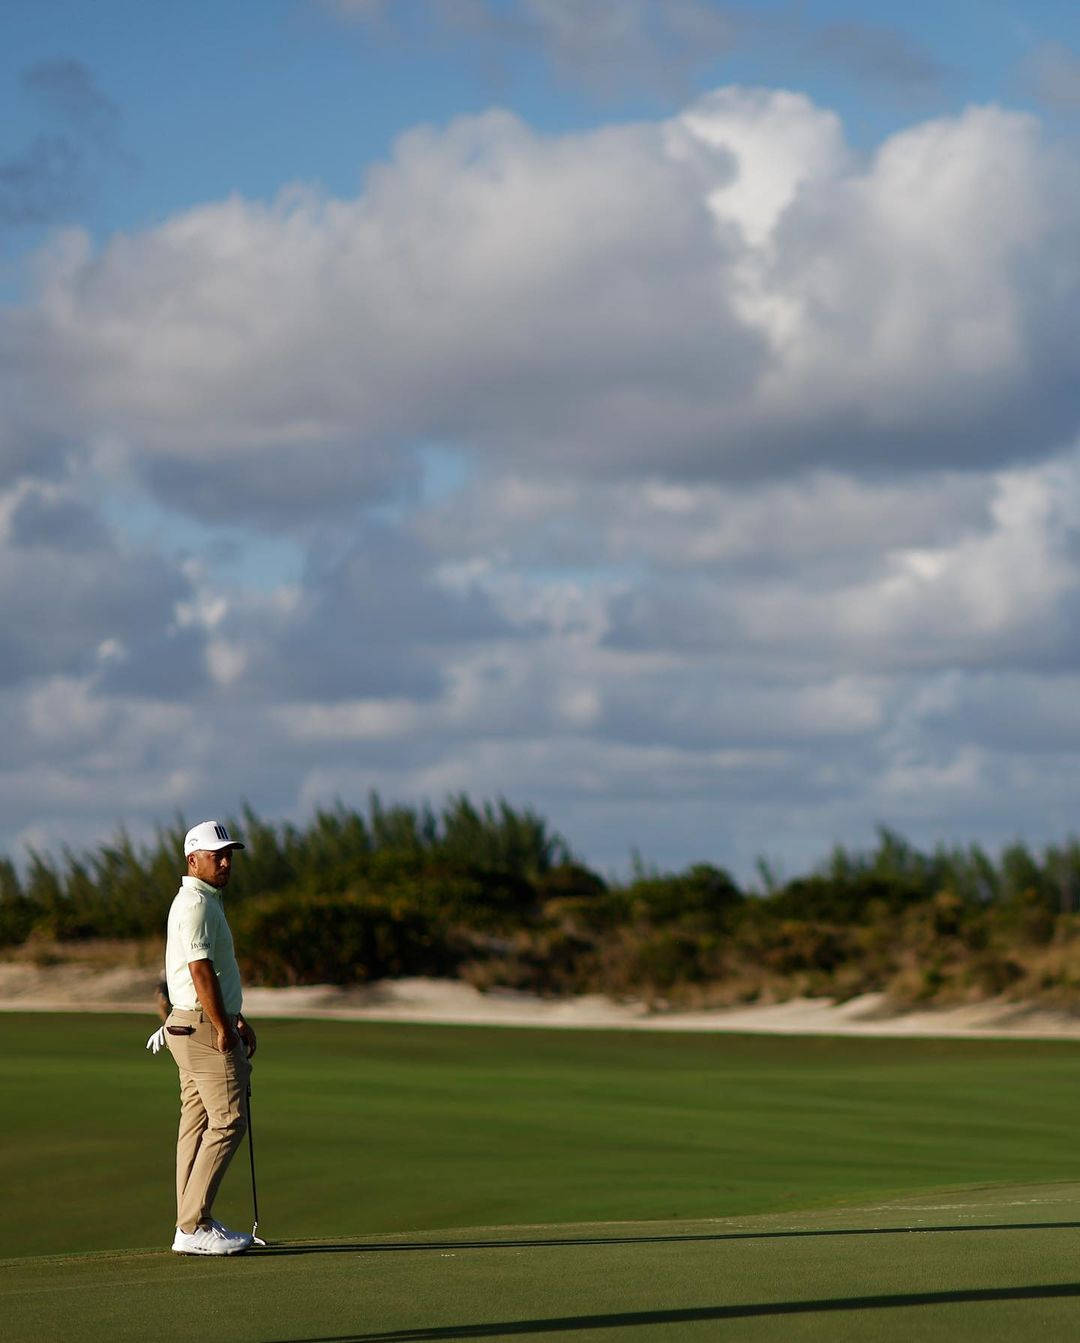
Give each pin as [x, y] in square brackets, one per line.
[337, 939]
[17, 910]
[703, 894]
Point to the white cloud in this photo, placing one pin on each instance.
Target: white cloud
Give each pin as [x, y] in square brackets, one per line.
[915, 321]
[997, 591]
[816, 521]
[765, 510]
[723, 295]
[779, 141]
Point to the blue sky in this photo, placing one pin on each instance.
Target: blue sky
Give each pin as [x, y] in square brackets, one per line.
[662, 415]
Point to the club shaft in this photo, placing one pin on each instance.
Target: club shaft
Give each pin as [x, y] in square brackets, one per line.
[251, 1154]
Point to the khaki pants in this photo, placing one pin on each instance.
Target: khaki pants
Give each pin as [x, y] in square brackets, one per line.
[213, 1113]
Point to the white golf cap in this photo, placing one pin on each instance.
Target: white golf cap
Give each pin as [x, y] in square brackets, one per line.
[211, 835]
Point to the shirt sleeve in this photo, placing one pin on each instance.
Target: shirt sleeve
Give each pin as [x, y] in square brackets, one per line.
[195, 932]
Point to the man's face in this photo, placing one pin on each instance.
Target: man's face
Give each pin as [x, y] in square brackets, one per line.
[212, 866]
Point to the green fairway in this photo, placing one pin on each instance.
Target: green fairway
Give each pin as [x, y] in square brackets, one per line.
[990, 1266]
[364, 1129]
[659, 1186]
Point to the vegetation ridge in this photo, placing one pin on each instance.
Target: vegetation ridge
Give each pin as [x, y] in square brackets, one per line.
[493, 896]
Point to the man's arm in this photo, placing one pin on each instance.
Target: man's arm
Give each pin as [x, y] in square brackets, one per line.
[209, 992]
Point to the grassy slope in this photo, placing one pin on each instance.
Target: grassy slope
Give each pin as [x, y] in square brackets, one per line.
[366, 1128]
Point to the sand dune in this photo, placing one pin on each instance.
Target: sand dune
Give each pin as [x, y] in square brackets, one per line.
[26, 987]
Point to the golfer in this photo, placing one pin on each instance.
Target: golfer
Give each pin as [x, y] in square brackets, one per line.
[208, 1038]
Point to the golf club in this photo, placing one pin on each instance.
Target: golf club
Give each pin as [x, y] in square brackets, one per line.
[254, 1191]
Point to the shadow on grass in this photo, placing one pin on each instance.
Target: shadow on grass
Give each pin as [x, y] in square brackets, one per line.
[636, 1319]
[360, 1247]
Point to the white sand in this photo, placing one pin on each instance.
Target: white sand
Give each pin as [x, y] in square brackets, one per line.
[64, 988]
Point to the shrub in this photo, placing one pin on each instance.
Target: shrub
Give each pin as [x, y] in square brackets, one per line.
[337, 939]
[703, 894]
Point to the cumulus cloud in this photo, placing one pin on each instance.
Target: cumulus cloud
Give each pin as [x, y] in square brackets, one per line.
[997, 593]
[724, 295]
[765, 492]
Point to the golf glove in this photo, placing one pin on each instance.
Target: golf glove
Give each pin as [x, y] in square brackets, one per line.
[157, 1040]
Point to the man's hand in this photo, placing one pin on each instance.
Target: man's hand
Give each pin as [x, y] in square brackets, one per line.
[247, 1035]
[226, 1039]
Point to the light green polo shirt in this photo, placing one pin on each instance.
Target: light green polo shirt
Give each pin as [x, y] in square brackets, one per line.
[198, 931]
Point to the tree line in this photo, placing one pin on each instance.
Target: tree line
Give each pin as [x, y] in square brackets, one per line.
[491, 894]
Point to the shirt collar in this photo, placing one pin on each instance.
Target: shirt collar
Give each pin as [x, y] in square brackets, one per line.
[200, 887]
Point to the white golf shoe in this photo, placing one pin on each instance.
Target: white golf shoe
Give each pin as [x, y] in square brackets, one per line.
[212, 1239]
